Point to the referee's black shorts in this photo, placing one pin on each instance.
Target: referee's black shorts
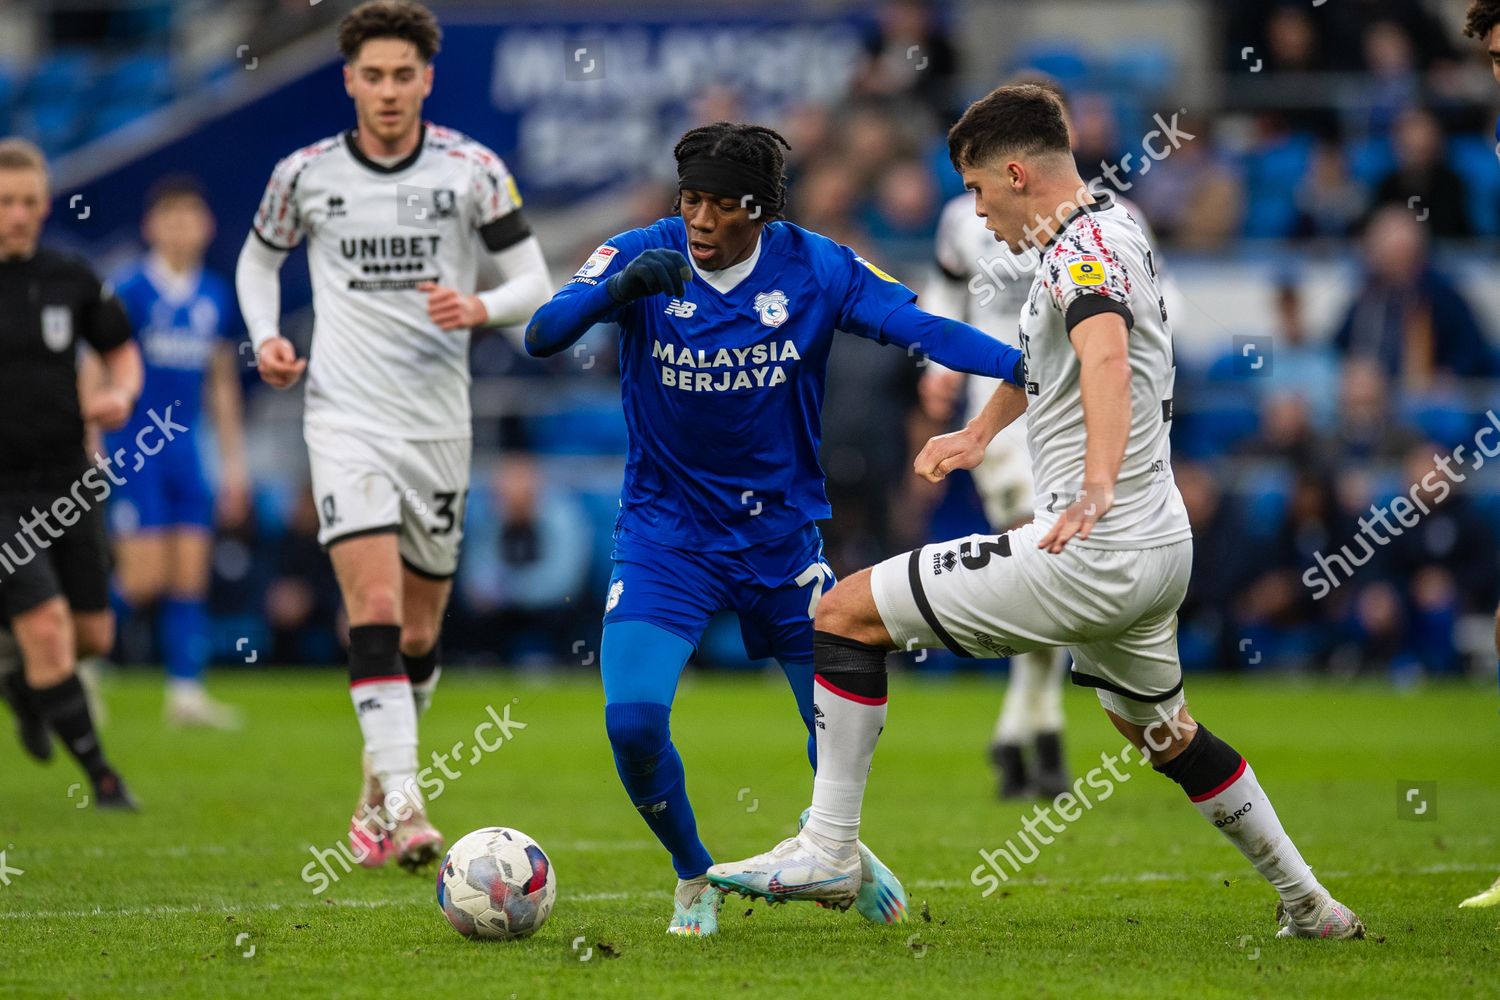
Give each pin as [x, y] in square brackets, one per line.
[75, 565]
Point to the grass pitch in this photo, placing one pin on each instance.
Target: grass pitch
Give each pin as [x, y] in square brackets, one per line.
[202, 893]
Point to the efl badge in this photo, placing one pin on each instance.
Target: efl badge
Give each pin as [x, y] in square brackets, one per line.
[1086, 269]
[597, 263]
[875, 270]
[57, 328]
[772, 307]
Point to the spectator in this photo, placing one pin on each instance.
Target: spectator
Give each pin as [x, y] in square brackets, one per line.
[1222, 566]
[902, 217]
[525, 565]
[1330, 202]
[910, 56]
[1368, 428]
[1287, 435]
[1192, 197]
[1422, 182]
[1407, 316]
[303, 596]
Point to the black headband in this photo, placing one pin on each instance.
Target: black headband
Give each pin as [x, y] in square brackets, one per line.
[716, 175]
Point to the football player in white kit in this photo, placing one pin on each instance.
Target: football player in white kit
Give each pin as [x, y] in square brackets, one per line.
[1101, 569]
[404, 220]
[983, 283]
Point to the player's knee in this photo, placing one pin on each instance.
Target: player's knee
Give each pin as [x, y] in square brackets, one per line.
[94, 633]
[638, 731]
[375, 605]
[418, 638]
[138, 589]
[848, 610]
[45, 635]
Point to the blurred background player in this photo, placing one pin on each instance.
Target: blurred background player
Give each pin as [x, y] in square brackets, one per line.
[403, 218]
[54, 561]
[1482, 21]
[162, 518]
[723, 363]
[982, 282]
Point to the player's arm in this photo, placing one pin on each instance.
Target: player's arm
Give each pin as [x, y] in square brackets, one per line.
[585, 301]
[107, 401]
[227, 405]
[964, 449]
[277, 229]
[257, 282]
[522, 285]
[877, 306]
[1100, 341]
[945, 294]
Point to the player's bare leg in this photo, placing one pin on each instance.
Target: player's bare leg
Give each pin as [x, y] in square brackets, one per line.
[1223, 787]
[369, 572]
[1490, 896]
[45, 635]
[822, 863]
[424, 601]
[94, 637]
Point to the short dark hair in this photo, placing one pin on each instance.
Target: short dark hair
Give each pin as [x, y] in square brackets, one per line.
[174, 187]
[753, 145]
[1481, 18]
[1020, 119]
[403, 19]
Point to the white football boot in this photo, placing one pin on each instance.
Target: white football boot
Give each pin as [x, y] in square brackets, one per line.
[882, 898]
[804, 867]
[1489, 897]
[695, 908]
[1318, 915]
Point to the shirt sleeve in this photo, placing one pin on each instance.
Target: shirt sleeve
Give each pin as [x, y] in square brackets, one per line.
[1081, 284]
[495, 202]
[105, 324]
[870, 295]
[584, 299]
[278, 221]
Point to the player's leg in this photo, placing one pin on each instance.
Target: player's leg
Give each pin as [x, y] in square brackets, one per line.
[821, 863]
[1139, 682]
[778, 621]
[189, 515]
[1490, 896]
[424, 601]
[1046, 710]
[660, 601]
[185, 628]
[1015, 727]
[83, 562]
[31, 728]
[44, 632]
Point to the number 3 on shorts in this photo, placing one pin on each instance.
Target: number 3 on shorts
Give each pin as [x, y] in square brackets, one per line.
[817, 574]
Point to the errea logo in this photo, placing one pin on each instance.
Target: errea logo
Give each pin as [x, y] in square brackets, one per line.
[681, 309]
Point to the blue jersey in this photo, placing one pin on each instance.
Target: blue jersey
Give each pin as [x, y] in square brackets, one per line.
[722, 391]
[178, 338]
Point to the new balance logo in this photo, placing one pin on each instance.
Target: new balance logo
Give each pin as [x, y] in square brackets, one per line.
[681, 309]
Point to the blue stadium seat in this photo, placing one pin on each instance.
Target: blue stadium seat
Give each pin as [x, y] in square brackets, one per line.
[1447, 423]
[62, 76]
[1272, 174]
[1058, 58]
[146, 79]
[117, 115]
[1142, 67]
[1370, 159]
[53, 126]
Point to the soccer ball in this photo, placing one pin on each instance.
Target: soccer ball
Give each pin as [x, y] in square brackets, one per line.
[496, 884]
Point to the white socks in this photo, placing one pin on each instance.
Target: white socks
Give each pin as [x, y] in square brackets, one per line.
[1241, 810]
[388, 718]
[848, 727]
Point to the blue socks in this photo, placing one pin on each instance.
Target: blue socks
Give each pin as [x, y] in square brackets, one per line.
[800, 677]
[185, 639]
[651, 770]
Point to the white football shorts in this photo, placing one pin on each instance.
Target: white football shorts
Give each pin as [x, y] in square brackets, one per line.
[997, 595]
[366, 484]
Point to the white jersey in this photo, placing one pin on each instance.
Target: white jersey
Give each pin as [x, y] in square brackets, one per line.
[1100, 261]
[378, 364]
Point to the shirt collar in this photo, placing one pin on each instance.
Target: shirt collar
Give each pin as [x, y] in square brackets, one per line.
[725, 279]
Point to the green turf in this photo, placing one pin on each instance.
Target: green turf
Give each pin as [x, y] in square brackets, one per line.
[1138, 898]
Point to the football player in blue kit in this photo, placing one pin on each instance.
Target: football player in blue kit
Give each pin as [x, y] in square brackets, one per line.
[162, 518]
[726, 315]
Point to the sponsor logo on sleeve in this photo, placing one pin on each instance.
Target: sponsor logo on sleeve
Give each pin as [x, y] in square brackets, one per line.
[597, 263]
[1085, 269]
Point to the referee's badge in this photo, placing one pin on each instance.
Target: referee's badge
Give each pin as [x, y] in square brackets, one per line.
[57, 328]
[772, 307]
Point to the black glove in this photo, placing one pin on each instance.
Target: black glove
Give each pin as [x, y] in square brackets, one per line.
[654, 271]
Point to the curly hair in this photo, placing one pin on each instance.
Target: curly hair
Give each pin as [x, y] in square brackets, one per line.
[1481, 18]
[753, 145]
[403, 19]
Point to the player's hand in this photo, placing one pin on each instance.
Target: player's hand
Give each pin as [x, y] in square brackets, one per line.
[234, 498]
[938, 391]
[278, 363]
[1091, 503]
[107, 407]
[946, 452]
[451, 310]
[654, 271]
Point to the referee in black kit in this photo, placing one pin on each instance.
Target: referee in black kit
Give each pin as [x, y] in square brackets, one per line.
[54, 560]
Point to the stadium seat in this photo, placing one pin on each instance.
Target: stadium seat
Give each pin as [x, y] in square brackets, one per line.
[62, 76]
[1059, 59]
[146, 79]
[1474, 159]
[1142, 67]
[1272, 174]
[1370, 159]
